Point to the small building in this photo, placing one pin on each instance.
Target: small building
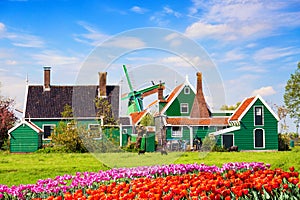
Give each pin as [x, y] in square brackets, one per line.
[25, 137]
[253, 127]
[45, 103]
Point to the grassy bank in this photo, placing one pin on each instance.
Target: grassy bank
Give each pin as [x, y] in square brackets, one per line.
[18, 169]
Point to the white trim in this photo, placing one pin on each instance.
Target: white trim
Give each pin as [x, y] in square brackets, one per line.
[185, 105]
[165, 108]
[262, 115]
[264, 139]
[36, 129]
[226, 130]
[54, 125]
[25, 102]
[251, 104]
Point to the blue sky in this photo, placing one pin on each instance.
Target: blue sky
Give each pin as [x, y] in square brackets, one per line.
[255, 45]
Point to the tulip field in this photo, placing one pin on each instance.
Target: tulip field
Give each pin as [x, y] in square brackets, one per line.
[176, 181]
[185, 178]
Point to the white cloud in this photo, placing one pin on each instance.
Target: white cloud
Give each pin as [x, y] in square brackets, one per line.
[249, 68]
[233, 55]
[10, 62]
[178, 61]
[54, 58]
[264, 91]
[138, 10]
[271, 53]
[21, 39]
[160, 17]
[93, 37]
[125, 42]
[202, 29]
[236, 19]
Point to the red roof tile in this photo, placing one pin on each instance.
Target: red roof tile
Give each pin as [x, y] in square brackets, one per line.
[241, 109]
[195, 121]
[137, 116]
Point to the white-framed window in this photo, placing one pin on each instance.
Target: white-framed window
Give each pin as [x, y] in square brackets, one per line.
[176, 131]
[258, 116]
[184, 108]
[71, 125]
[94, 130]
[187, 90]
[259, 138]
[48, 130]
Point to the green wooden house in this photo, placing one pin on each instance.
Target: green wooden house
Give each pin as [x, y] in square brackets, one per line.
[253, 127]
[44, 104]
[184, 115]
[25, 137]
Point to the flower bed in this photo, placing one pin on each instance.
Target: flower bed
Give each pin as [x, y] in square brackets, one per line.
[190, 181]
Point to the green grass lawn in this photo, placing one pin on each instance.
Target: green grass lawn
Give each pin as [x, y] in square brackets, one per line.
[18, 169]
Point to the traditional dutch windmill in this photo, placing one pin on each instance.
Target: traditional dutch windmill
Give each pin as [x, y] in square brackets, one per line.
[135, 98]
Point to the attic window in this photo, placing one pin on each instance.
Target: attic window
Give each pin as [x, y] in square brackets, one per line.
[184, 108]
[258, 116]
[187, 90]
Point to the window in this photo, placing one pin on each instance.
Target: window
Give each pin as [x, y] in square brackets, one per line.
[258, 116]
[184, 108]
[227, 140]
[48, 130]
[94, 130]
[259, 139]
[187, 90]
[176, 131]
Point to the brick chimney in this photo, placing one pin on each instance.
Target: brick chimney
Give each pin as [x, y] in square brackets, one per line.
[102, 84]
[47, 71]
[199, 109]
[160, 92]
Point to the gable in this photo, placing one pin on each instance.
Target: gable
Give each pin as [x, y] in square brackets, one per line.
[28, 124]
[183, 93]
[247, 106]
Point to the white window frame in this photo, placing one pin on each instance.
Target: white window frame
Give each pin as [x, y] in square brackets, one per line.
[177, 134]
[52, 125]
[264, 138]
[89, 127]
[187, 90]
[182, 105]
[262, 115]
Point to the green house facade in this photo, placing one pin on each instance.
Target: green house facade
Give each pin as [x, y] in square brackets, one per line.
[252, 126]
[25, 137]
[255, 127]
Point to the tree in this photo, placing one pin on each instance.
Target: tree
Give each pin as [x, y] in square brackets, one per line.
[67, 133]
[104, 110]
[282, 112]
[7, 118]
[147, 120]
[292, 96]
[233, 107]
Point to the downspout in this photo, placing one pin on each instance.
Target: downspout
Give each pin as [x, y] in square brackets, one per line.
[121, 133]
[191, 137]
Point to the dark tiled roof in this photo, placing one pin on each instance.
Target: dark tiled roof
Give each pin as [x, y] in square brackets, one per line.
[50, 104]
